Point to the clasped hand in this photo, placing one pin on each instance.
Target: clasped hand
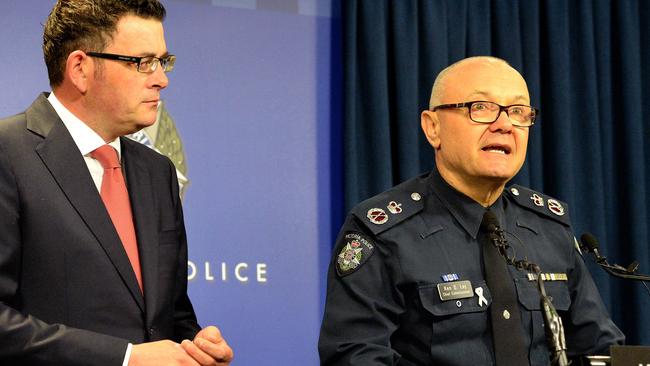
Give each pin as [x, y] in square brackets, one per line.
[207, 349]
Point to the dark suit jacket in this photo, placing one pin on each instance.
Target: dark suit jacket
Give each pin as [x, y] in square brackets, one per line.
[68, 295]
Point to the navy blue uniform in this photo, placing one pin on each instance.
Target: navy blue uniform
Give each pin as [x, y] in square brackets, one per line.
[383, 304]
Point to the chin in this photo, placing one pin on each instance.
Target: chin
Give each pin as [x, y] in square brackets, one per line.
[137, 127]
[146, 122]
[500, 171]
[498, 177]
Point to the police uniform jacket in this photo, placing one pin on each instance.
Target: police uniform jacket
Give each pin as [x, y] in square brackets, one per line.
[383, 304]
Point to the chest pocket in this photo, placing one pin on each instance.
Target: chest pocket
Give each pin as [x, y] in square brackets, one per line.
[529, 297]
[459, 328]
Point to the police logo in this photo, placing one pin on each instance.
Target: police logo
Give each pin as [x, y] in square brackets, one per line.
[377, 216]
[350, 257]
[355, 252]
[555, 207]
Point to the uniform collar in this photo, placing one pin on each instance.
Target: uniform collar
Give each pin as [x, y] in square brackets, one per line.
[467, 212]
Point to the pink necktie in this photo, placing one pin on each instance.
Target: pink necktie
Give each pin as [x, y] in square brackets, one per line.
[116, 200]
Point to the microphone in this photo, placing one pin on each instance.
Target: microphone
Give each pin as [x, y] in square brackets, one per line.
[490, 224]
[552, 320]
[589, 243]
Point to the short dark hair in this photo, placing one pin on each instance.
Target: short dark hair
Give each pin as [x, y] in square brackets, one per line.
[87, 25]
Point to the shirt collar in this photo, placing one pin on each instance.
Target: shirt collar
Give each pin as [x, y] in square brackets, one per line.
[86, 139]
[465, 210]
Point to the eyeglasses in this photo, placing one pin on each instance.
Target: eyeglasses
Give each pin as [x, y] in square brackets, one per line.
[147, 64]
[488, 112]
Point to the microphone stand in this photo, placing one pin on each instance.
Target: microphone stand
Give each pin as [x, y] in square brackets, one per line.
[553, 326]
[552, 320]
[589, 244]
[619, 271]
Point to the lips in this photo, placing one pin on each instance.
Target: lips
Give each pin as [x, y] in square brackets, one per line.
[497, 148]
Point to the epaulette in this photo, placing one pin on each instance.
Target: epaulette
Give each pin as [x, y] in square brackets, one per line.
[540, 203]
[391, 207]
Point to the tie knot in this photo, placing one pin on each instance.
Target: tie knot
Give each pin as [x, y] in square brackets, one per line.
[490, 222]
[107, 156]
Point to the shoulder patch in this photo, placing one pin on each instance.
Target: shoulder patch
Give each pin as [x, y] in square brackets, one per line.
[355, 250]
[540, 203]
[388, 209]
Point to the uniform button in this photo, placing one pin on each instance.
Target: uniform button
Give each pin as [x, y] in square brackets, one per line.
[506, 314]
[514, 191]
[458, 303]
[151, 331]
[415, 196]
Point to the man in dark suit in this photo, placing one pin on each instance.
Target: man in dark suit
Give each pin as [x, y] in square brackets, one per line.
[81, 281]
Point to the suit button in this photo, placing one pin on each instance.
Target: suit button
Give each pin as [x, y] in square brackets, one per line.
[151, 331]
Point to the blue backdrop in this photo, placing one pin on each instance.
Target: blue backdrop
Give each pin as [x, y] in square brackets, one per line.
[254, 99]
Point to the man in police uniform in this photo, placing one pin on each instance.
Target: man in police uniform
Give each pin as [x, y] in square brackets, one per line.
[398, 252]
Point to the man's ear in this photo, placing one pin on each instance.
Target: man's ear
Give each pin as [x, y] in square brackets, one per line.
[78, 69]
[431, 128]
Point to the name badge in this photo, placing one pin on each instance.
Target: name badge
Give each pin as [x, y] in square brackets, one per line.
[455, 290]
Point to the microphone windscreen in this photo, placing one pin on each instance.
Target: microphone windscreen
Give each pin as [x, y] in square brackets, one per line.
[589, 241]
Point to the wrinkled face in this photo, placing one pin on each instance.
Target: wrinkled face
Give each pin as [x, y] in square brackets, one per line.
[124, 100]
[470, 153]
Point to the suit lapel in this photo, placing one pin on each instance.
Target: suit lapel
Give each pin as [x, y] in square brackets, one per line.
[142, 204]
[60, 155]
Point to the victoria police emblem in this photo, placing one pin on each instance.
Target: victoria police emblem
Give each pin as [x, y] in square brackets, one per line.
[355, 252]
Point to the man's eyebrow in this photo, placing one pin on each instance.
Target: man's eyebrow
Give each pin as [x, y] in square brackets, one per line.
[153, 54]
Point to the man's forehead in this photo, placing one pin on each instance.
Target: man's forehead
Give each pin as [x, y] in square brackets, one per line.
[141, 36]
[514, 96]
[481, 81]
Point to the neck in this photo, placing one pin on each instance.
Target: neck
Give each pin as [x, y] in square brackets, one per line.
[484, 191]
[74, 103]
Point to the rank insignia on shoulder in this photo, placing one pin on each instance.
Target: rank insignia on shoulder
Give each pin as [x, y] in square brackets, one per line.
[394, 207]
[377, 216]
[355, 252]
[391, 208]
[540, 203]
[556, 207]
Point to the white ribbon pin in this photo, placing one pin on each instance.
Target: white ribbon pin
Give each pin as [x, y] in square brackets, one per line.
[481, 299]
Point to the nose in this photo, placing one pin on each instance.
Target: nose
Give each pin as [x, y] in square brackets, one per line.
[503, 123]
[159, 78]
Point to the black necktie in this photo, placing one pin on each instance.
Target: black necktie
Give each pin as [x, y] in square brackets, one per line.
[507, 332]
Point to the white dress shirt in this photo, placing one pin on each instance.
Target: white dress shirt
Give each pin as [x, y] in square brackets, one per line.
[87, 141]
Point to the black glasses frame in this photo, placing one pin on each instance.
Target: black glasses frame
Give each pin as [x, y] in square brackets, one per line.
[468, 105]
[162, 61]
